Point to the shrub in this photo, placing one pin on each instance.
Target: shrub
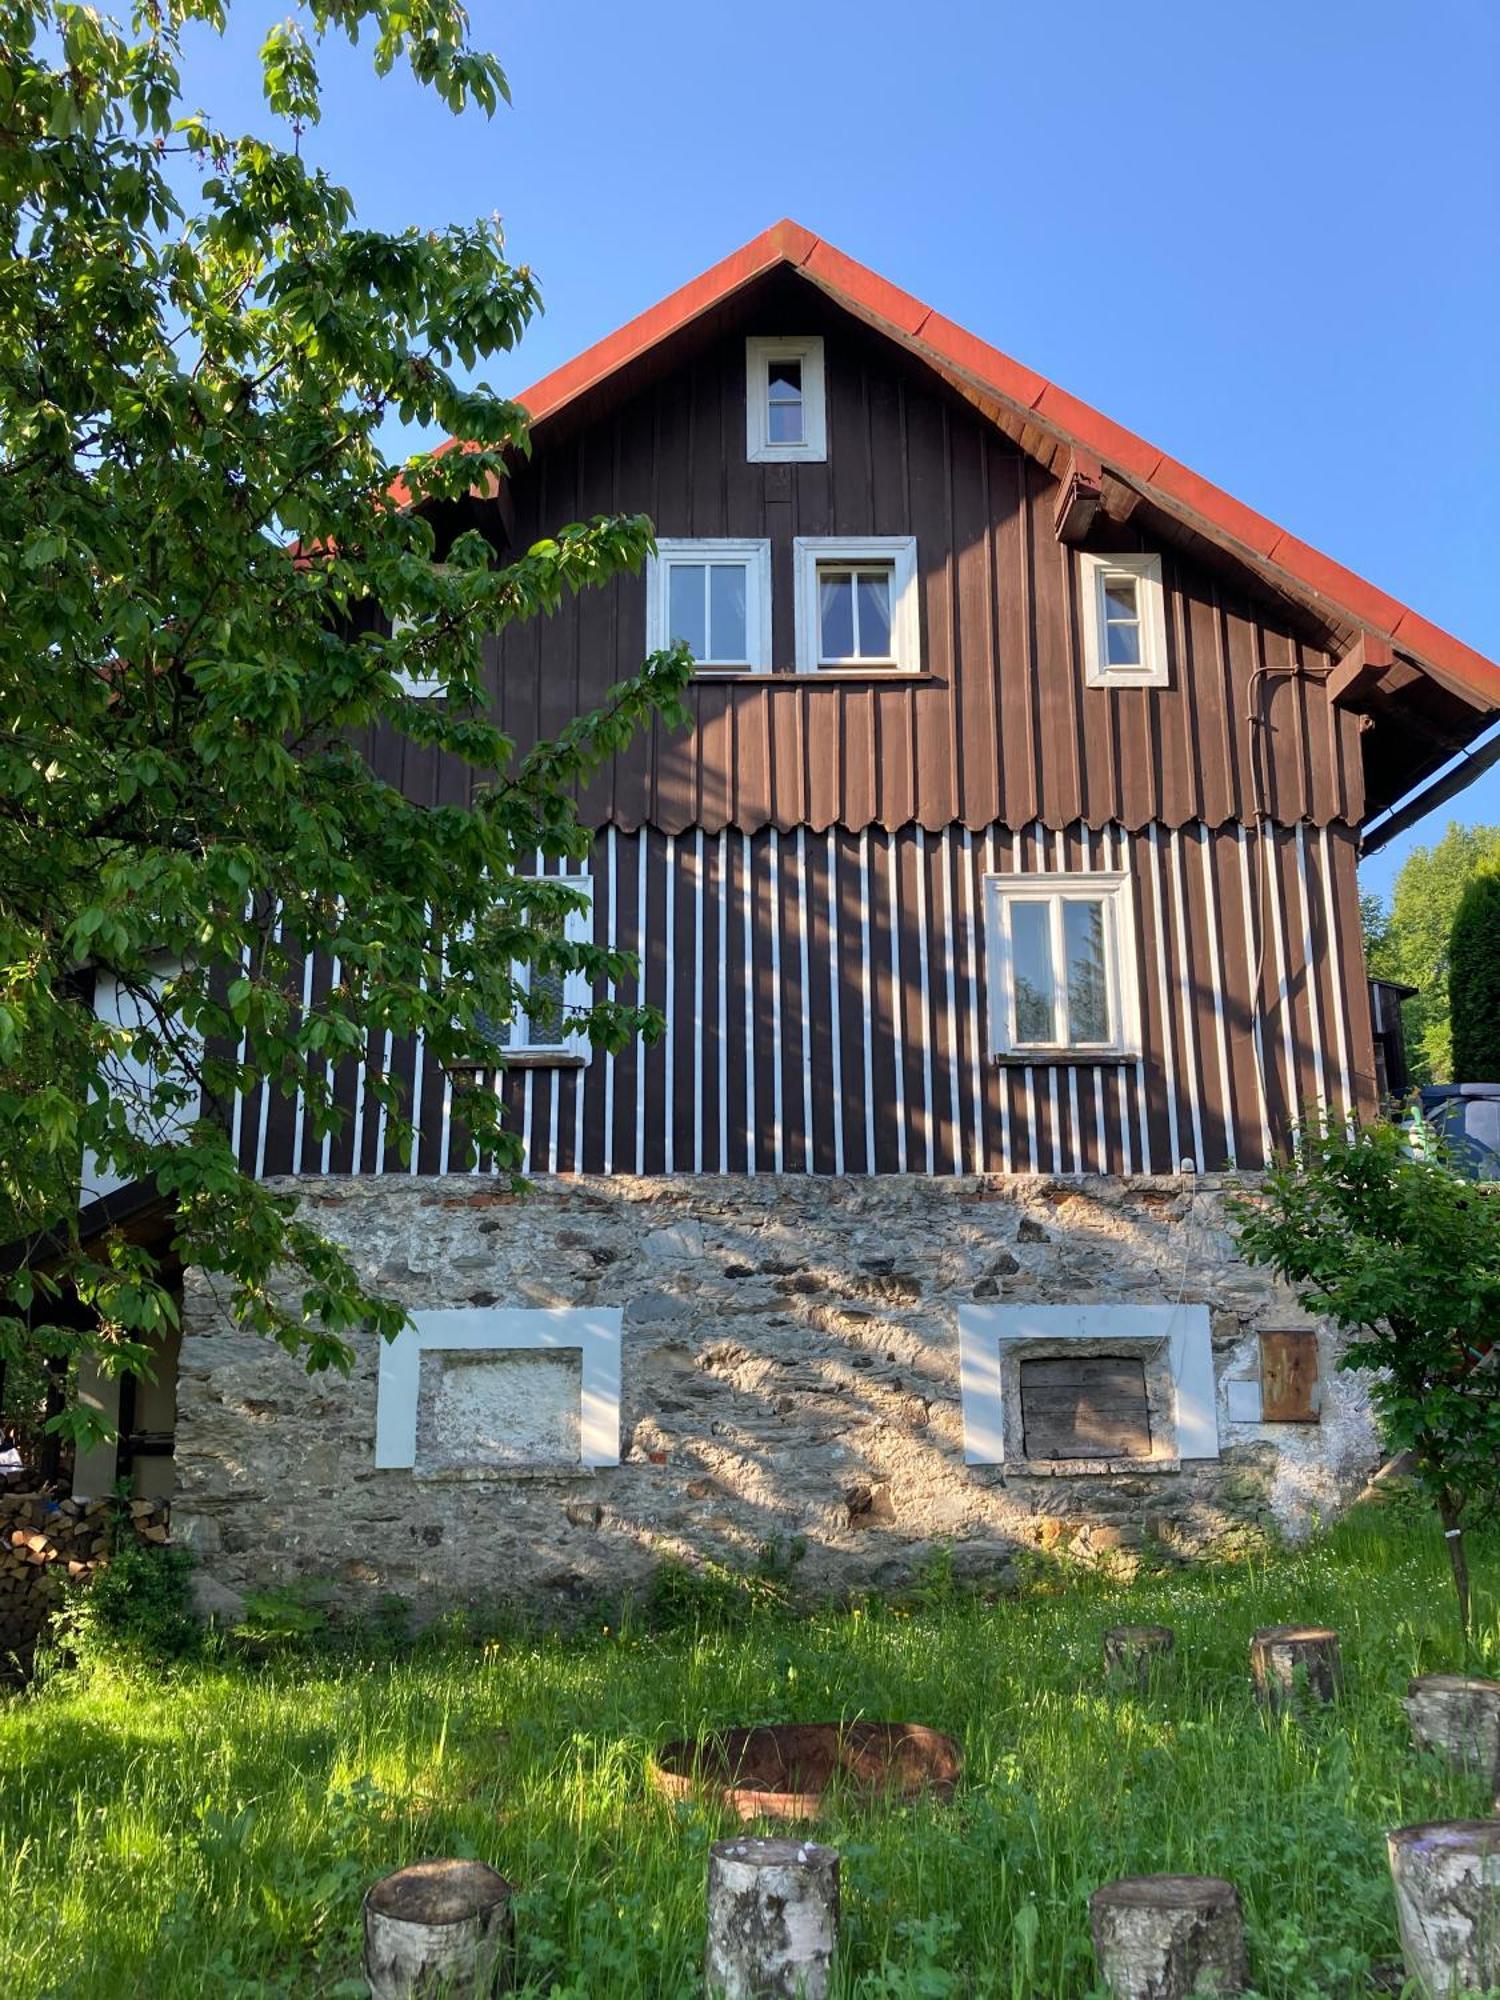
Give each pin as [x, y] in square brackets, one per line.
[1474, 981]
[136, 1610]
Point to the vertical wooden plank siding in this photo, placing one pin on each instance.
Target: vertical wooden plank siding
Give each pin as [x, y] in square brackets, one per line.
[825, 1007]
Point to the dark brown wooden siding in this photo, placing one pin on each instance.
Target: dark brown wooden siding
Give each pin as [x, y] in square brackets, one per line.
[1001, 729]
[825, 997]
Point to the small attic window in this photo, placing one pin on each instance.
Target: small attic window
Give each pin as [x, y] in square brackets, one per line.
[785, 405]
[1124, 621]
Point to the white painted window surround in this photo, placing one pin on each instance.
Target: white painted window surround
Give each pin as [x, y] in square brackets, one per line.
[1125, 630]
[1065, 943]
[131, 1082]
[593, 1330]
[564, 995]
[724, 587]
[772, 437]
[819, 558]
[992, 1338]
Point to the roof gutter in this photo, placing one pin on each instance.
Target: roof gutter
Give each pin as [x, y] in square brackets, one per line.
[1454, 777]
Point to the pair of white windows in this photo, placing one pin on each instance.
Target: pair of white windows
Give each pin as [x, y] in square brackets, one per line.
[855, 603]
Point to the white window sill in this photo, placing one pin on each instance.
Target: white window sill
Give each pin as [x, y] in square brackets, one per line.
[520, 1059]
[1055, 1058]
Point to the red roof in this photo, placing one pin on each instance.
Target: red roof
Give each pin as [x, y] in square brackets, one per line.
[1029, 397]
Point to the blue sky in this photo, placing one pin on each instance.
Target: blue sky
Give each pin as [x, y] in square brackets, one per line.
[1264, 237]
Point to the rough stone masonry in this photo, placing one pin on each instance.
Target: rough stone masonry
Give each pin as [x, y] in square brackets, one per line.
[790, 1377]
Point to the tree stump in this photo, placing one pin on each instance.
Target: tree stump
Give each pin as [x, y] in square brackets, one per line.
[439, 1927]
[1447, 1881]
[1284, 1659]
[1135, 1652]
[1164, 1937]
[1457, 1715]
[773, 1919]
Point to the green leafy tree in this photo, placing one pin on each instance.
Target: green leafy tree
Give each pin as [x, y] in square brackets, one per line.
[1404, 1256]
[1474, 980]
[1409, 942]
[211, 598]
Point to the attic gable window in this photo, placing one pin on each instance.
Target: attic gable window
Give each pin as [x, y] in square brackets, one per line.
[785, 404]
[857, 604]
[1124, 621]
[1060, 956]
[714, 597]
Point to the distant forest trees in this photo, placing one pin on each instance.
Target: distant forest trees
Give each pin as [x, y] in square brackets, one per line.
[1409, 941]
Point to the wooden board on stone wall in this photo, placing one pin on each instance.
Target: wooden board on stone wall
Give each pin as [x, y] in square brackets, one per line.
[1289, 1378]
[1085, 1406]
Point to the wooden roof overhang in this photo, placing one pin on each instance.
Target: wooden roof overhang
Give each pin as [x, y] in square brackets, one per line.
[1425, 695]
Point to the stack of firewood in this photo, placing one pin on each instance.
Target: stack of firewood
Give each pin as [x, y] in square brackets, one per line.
[44, 1538]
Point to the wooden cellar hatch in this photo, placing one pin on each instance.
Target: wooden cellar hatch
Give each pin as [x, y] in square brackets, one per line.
[1085, 1406]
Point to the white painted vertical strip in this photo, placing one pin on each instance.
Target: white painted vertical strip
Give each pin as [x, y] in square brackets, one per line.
[1164, 997]
[381, 1119]
[1335, 956]
[643, 844]
[578, 1074]
[1216, 974]
[950, 975]
[927, 1107]
[300, 1110]
[1310, 973]
[265, 1088]
[1060, 849]
[1271, 869]
[1028, 1074]
[526, 1115]
[1002, 1075]
[1101, 1155]
[867, 998]
[747, 899]
[418, 1065]
[804, 973]
[722, 908]
[445, 1126]
[897, 1008]
[1115, 844]
[698, 1001]
[669, 1039]
[979, 1157]
[1185, 996]
[611, 937]
[836, 1022]
[774, 846]
[333, 980]
[1056, 1135]
[1254, 986]
[237, 1113]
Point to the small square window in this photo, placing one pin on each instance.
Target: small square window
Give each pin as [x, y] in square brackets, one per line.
[857, 604]
[714, 597]
[1060, 961]
[1124, 621]
[785, 405]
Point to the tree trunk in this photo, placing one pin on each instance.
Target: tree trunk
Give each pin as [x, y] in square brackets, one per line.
[1447, 1882]
[1457, 1715]
[1449, 1511]
[773, 1918]
[439, 1927]
[1135, 1652]
[1285, 1659]
[1164, 1937]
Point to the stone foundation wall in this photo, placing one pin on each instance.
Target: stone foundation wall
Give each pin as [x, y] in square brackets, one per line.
[790, 1377]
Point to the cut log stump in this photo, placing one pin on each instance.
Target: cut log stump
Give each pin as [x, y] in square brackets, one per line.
[439, 1927]
[1164, 1937]
[1136, 1652]
[1287, 1660]
[1458, 1716]
[1447, 1882]
[773, 1919]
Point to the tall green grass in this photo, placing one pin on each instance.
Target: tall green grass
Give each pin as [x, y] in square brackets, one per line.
[211, 1832]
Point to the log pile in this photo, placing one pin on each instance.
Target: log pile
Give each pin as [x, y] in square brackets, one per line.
[44, 1539]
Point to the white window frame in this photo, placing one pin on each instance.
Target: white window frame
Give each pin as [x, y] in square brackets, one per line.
[575, 1047]
[1112, 889]
[594, 1330]
[811, 553]
[754, 554]
[1145, 572]
[991, 1339]
[759, 354]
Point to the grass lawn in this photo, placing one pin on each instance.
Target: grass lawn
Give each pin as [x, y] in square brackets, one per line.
[211, 1832]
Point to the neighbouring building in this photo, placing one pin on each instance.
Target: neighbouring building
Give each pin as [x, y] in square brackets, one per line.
[1001, 903]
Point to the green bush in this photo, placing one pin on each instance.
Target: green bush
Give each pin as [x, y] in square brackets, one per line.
[135, 1611]
[1474, 981]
